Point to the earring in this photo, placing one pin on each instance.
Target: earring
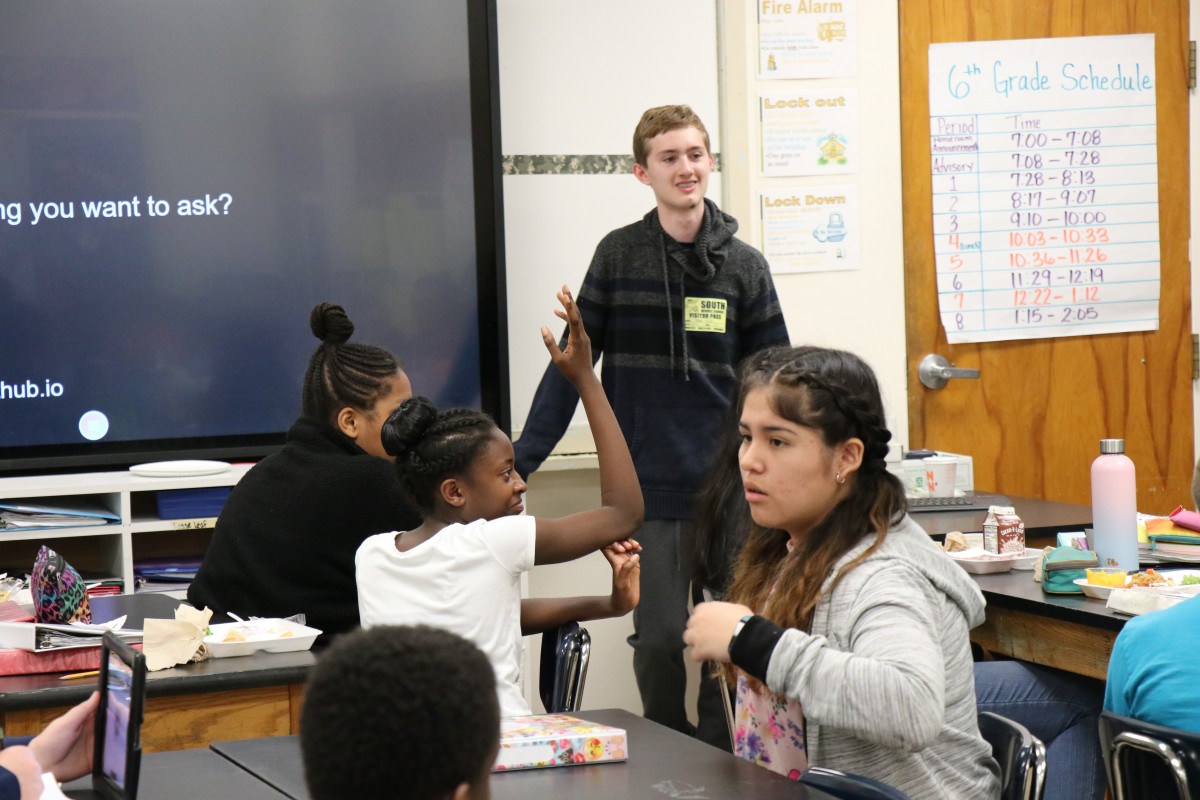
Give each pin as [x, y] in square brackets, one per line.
[838, 477]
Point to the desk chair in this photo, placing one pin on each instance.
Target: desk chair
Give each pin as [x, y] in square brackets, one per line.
[847, 786]
[1021, 755]
[564, 662]
[1147, 760]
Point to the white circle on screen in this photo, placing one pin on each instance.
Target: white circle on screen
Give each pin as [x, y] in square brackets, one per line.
[93, 425]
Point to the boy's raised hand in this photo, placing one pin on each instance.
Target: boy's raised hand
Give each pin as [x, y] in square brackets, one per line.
[627, 571]
[576, 360]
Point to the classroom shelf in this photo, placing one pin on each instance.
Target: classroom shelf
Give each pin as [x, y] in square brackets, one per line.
[108, 549]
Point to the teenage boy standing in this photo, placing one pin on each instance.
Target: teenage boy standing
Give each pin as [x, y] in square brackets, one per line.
[673, 302]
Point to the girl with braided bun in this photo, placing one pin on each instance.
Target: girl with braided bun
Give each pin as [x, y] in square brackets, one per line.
[461, 568]
[846, 626]
[284, 543]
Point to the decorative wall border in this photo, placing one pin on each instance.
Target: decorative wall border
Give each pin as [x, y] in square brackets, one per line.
[574, 164]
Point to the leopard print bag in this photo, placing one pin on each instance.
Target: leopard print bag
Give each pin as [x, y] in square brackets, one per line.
[59, 593]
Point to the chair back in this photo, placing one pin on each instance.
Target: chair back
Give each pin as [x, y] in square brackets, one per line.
[566, 651]
[848, 786]
[1148, 760]
[1020, 754]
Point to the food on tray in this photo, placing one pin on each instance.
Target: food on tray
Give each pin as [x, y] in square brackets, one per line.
[256, 635]
[1147, 578]
[1106, 577]
[955, 541]
[257, 629]
[1190, 580]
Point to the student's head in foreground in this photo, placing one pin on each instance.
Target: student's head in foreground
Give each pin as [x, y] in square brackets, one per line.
[400, 711]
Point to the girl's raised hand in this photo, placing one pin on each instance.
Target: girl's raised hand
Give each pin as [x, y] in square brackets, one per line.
[575, 362]
[627, 571]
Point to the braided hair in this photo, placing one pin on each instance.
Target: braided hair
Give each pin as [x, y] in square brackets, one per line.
[835, 394]
[341, 374]
[430, 446]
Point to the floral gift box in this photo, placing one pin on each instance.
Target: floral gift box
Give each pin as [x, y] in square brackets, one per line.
[557, 740]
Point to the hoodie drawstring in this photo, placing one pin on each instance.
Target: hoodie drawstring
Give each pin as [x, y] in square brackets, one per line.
[662, 249]
[687, 373]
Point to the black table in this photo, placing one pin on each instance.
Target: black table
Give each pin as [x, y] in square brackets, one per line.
[1066, 631]
[186, 706]
[1043, 518]
[188, 775]
[662, 763]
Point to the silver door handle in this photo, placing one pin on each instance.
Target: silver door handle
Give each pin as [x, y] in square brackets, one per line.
[935, 371]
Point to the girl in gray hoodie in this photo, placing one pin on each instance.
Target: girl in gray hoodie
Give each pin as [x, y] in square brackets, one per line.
[846, 629]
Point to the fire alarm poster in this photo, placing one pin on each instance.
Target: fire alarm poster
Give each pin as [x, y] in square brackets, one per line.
[807, 39]
[1044, 161]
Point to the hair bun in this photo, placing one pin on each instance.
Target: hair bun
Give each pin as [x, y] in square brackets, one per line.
[407, 425]
[330, 324]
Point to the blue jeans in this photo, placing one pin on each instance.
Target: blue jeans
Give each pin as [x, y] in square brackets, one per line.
[1057, 707]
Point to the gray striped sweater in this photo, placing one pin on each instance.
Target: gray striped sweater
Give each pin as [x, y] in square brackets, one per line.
[672, 321]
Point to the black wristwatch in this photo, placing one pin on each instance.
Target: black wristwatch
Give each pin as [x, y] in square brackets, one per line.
[741, 623]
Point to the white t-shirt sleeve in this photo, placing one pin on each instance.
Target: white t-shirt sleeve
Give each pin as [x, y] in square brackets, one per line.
[511, 541]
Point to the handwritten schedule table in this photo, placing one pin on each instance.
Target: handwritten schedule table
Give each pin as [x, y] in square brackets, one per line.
[1045, 187]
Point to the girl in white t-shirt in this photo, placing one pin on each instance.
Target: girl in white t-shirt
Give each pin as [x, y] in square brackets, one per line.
[461, 569]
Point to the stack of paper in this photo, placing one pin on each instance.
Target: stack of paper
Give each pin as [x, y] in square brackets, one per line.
[164, 574]
[40, 636]
[1144, 599]
[104, 587]
[80, 513]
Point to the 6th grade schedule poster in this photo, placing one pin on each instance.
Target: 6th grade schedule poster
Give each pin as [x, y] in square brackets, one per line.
[1045, 187]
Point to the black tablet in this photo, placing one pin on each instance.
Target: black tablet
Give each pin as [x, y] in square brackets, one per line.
[118, 755]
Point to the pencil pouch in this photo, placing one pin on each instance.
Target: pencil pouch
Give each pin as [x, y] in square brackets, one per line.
[1062, 566]
[59, 593]
[1186, 519]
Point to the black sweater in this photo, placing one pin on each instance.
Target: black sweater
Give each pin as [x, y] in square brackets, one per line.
[285, 541]
[672, 322]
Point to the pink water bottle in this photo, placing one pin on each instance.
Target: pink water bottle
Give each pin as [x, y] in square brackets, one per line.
[1114, 507]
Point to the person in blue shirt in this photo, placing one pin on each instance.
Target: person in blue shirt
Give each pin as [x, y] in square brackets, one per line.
[1151, 672]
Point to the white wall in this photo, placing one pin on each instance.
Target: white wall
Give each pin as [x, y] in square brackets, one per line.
[860, 310]
[574, 80]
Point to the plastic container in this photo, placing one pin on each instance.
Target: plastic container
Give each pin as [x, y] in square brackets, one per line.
[259, 635]
[1095, 590]
[1028, 559]
[1114, 507]
[191, 503]
[983, 563]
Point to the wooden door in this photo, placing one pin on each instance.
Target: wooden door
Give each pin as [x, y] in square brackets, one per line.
[1034, 419]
